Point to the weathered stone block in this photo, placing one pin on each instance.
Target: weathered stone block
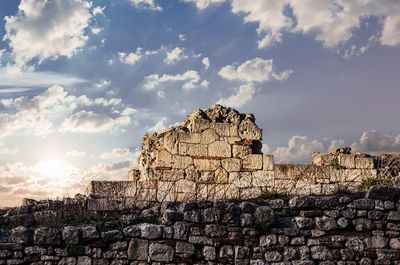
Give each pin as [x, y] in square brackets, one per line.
[263, 178]
[268, 162]
[189, 149]
[181, 162]
[138, 249]
[226, 191]
[221, 176]
[223, 129]
[241, 179]
[206, 164]
[240, 150]
[206, 191]
[163, 158]
[219, 149]
[248, 130]
[165, 191]
[364, 162]
[252, 162]
[184, 185]
[189, 137]
[171, 140]
[250, 193]
[347, 161]
[231, 164]
[233, 130]
[209, 136]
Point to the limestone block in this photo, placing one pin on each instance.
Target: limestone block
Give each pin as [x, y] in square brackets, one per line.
[111, 189]
[185, 196]
[322, 159]
[335, 174]
[352, 175]
[250, 193]
[171, 175]
[347, 161]
[188, 149]
[165, 191]
[226, 191]
[328, 189]
[303, 187]
[209, 136]
[206, 191]
[223, 129]
[364, 162]
[233, 130]
[184, 185]
[221, 176]
[231, 164]
[262, 178]
[181, 162]
[268, 162]
[199, 126]
[171, 142]
[231, 139]
[206, 164]
[189, 137]
[286, 186]
[191, 173]
[219, 149]
[133, 175]
[163, 158]
[206, 177]
[240, 150]
[254, 161]
[249, 130]
[143, 194]
[241, 179]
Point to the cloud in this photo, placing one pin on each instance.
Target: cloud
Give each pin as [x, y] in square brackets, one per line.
[175, 56]
[255, 70]
[190, 79]
[391, 30]
[182, 37]
[373, 142]
[47, 29]
[90, 122]
[244, 94]
[146, 4]
[75, 153]
[7, 151]
[299, 149]
[202, 4]
[133, 58]
[160, 125]
[206, 62]
[116, 153]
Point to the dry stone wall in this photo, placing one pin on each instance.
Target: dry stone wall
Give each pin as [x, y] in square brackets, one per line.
[216, 154]
[328, 230]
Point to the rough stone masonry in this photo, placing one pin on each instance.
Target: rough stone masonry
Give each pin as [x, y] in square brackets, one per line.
[216, 154]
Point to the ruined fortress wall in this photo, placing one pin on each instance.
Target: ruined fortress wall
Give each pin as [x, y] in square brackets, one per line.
[216, 154]
[303, 230]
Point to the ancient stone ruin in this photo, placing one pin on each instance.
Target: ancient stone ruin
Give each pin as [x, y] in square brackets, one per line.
[216, 154]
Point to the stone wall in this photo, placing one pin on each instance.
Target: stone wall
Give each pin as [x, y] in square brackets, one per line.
[327, 230]
[216, 154]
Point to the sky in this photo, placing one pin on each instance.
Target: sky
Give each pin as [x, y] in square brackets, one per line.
[81, 81]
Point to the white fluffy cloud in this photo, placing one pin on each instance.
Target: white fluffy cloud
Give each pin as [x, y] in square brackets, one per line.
[133, 58]
[374, 142]
[146, 4]
[391, 30]
[244, 94]
[4, 150]
[175, 55]
[202, 4]
[299, 149]
[116, 153]
[91, 122]
[255, 70]
[47, 29]
[206, 62]
[190, 79]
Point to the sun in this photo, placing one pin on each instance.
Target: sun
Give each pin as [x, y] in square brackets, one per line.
[51, 168]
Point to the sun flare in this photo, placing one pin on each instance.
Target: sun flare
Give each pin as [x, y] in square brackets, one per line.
[51, 168]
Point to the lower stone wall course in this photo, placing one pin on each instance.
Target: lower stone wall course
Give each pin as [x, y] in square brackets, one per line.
[336, 229]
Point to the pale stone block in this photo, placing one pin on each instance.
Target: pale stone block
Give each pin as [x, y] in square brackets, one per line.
[171, 142]
[364, 162]
[317, 158]
[254, 161]
[351, 175]
[172, 175]
[133, 175]
[185, 186]
[268, 162]
[231, 164]
[209, 136]
[206, 191]
[250, 193]
[328, 189]
[231, 139]
[185, 196]
[223, 129]
[347, 161]
[165, 191]
[219, 149]
[193, 149]
[191, 173]
[163, 158]
[146, 195]
[286, 186]
[322, 159]
[262, 178]
[248, 130]
[233, 130]
[199, 126]
[189, 137]
[206, 164]
[240, 150]
[206, 177]
[335, 174]
[181, 162]
[221, 176]
[241, 179]
[227, 191]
